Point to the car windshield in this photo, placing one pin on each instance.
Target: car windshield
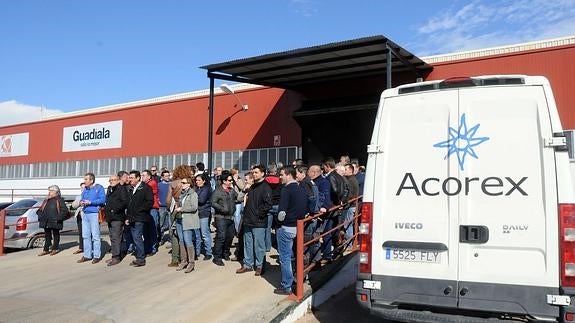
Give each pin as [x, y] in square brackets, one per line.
[20, 207]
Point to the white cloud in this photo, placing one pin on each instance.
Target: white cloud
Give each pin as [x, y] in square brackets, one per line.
[305, 8]
[481, 24]
[14, 112]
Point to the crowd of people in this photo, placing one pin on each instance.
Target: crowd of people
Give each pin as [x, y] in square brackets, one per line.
[144, 210]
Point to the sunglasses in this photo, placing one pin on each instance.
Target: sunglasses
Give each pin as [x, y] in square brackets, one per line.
[185, 182]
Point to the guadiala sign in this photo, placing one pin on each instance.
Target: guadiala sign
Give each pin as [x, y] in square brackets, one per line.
[104, 135]
[91, 135]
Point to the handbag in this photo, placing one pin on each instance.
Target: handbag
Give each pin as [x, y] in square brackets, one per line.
[101, 215]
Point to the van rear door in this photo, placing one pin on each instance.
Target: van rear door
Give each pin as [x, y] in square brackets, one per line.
[511, 202]
[415, 240]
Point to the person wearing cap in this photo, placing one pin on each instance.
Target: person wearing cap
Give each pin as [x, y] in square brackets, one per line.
[51, 216]
[115, 211]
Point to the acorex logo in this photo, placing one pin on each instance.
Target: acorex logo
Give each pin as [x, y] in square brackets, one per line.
[462, 142]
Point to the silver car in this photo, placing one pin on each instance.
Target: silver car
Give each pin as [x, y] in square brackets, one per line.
[22, 230]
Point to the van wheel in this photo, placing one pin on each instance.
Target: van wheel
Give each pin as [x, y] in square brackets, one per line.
[37, 241]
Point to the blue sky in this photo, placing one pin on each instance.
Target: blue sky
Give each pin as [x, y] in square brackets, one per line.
[67, 55]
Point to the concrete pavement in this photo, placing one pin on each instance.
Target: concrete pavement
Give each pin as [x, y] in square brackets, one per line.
[57, 289]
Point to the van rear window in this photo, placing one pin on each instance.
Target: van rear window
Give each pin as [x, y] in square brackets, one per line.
[460, 82]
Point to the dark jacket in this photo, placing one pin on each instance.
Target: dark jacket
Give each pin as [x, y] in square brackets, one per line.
[204, 200]
[140, 204]
[294, 203]
[224, 203]
[52, 213]
[339, 189]
[276, 185]
[324, 192]
[353, 186]
[360, 180]
[116, 203]
[259, 202]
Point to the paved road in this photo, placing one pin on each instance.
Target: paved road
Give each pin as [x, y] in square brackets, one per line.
[57, 289]
[341, 308]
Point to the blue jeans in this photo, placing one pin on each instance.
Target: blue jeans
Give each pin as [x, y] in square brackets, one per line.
[91, 236]
[349, 224]
[206, 235]
[272, 213]
[151, 236]
[164, 222]
[238, 216]
[186, 237]
[254, 247]
[137, 230]
[312, 251]
[327, 240]
[285, 248]
[197, 239]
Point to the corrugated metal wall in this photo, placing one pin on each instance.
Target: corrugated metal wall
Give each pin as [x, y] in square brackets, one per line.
[174, 127]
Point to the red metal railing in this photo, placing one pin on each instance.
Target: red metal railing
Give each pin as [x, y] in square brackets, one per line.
[301, 269]
[3, 226]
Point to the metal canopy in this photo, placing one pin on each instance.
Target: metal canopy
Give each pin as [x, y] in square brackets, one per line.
[342, 60]
[300, 68]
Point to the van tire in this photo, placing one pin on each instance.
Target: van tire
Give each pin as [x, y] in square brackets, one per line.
[37, 241]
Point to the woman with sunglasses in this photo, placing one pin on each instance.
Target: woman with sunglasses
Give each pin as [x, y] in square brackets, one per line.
[204, 191]
[187, 224]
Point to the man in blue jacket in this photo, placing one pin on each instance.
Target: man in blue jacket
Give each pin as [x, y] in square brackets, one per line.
[93, 198]
[293, 206]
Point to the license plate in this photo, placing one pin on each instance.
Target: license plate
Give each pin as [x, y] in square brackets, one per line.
[429, 256]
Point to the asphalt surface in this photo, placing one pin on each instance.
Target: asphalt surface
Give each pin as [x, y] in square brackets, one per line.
[342, 307]
[57, 289]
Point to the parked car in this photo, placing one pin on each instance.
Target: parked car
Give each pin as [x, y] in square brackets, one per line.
[22, 230]
[4, 205]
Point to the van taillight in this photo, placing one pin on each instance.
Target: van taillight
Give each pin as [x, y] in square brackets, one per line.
[21, 224]
[365, 228]
[567, 244]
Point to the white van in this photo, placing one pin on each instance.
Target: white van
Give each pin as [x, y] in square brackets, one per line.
[468, 210]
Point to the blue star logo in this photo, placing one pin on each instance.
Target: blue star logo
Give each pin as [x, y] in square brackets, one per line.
[462, 141]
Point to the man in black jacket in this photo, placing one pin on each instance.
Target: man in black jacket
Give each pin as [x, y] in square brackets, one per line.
[223, 202]
[255, 220]
[115, 210]
[339, 194]
[139, 206]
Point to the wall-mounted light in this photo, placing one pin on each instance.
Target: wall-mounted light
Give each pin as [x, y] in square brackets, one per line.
[227, 89]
